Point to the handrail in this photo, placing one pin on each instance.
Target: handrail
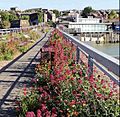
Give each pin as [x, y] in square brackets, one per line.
[110, 63]
[16, 29]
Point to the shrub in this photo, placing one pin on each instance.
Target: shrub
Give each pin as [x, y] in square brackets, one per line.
[63, 88]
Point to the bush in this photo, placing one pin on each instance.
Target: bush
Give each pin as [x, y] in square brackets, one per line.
[65, 89]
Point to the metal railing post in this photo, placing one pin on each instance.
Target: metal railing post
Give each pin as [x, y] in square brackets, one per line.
[77, 55]
[90, 66]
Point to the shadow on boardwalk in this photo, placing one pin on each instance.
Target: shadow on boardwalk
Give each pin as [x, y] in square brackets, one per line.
[10, 81]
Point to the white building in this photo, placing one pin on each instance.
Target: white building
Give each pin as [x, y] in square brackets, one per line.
[45, 17]
[53, 17]
[89, 24]
[90, 19]
[88, 27]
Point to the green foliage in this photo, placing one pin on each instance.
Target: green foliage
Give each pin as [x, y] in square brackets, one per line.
[7, 17]
[87, 11]
[9, 47]
[112, 15]
[40, 17]
[50, 23]
[4, 16]
[25, 17]
[5, 24]
[12, 17]
[6, 53]
[63, 88]
[56, 12]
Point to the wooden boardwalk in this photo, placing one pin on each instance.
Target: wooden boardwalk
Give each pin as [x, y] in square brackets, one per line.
[15, 75]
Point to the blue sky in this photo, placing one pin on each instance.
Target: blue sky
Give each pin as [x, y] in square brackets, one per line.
[60, 4]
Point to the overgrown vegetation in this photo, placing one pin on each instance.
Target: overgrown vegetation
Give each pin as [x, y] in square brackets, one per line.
[62, 88]
[11, 44]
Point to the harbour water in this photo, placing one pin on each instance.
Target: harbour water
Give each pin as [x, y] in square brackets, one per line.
[111, 49]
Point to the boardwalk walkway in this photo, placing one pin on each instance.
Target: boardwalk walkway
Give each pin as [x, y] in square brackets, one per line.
[15, 75]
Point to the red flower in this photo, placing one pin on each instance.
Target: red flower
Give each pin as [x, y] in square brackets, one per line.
[104, 86]
[111, 93]
[67, 72]
[102, 81]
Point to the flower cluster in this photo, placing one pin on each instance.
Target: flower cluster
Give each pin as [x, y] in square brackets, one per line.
[65, 89]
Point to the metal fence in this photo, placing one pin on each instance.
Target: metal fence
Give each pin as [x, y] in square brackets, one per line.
[107, 64]
[7, 31]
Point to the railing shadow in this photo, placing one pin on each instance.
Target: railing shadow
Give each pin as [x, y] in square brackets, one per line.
[5, 113]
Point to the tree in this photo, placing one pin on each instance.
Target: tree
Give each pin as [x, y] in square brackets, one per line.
[5, 24]
[12, 17]
[56, 12]
[4, 16]
[25, 17]
[40, 17]
[87, 11]
[4, 19]
[112, 15]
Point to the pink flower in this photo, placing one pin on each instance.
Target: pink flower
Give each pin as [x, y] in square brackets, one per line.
[43, 107]
[54, 112]
[80, 72]
[34, 80]
[30, 114]
[68, 72]
[51, 77]
[40, 89]
[47, 113]
[102, 81]
[80, 81]
[73, 102]
[39, 113]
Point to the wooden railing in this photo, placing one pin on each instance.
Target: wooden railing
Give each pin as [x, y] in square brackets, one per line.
[107, 64]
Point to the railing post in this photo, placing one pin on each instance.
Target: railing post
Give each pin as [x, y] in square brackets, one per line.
[77, 55]
[90, 66]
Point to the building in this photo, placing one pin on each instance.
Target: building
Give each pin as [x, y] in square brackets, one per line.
[90, 19]
[33, 19]
[19, 23]
[53, 17]
[89, 24]
[88, 27]
[45, 17]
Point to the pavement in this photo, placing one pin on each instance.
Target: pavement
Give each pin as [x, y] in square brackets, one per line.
[16, 74]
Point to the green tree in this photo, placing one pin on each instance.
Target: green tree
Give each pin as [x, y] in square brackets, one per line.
[40, 17]
[112, 15]
[56, 12]
[5, 24]
[5, 19]
[87, 11]
[4, 16]
[25, 17]
[12, 17]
